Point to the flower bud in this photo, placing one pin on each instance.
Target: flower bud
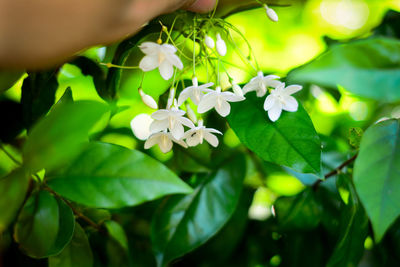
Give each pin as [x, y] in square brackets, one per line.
[171, 97]
[190, 113]
[148, 100]
[236, 89]
[221, 46]
[271, 14]
[209, 42]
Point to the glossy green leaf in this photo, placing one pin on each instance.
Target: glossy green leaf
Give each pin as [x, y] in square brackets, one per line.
[89, 67]
[183, 223]
[376, 174]
[38, 95]
[66, 228]
[77, 254]
[368, 68]
[110, 176]
[353, 231]
[8, 79]
[117, 233]
[298, 212]
[13, 189]
[38, 224]
[291, 141]
[59, 136]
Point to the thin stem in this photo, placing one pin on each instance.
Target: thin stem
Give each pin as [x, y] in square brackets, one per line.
[110, 65]
[336, 170]
[194, 46]
[74, 210]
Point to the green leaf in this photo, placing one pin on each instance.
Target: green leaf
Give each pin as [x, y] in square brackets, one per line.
[13, 189]
[355, 135]
[38, 95]
[368, 68]
[8, 79]
[183, 223]
[298, 212]
[291, 141]
[77, 254]
[59, 136]
[89, 67]
[376, 174]
[110, 176]
[353, 231]
[66, 228]
[117, 233]
[38, 225]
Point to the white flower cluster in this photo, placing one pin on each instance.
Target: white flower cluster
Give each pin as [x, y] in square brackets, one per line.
[167, 125]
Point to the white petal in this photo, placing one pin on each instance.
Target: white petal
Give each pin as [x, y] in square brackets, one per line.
[153, 139]
[166, 70]
[168, 48]
[177, 131]
[212, 139]
[180, 142]
[186, 122]
[223, 109]
[290, 104]
[272, 15]
[141, 126]
[251, 86]
[275, 112]
[204, 86]
[161, 114]
[158, 126]
[207, 103]
[212, 130]
[184, 95]
[209, 42]
[148, 63]
[269, 102]
[175, 60]
[150, 48]
[291, 89]
[165, 146]
[231, 97]
[193, 141]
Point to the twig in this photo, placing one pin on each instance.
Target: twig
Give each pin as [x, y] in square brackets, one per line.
[335, 171]
[74, 210]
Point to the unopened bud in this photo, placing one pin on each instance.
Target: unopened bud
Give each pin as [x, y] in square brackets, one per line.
[195, 82]
[209, 42]
[148, 100]
[171, 97]
[271, 13]
[190, 113]
[159, 41]
[236, 89]
[221, 46]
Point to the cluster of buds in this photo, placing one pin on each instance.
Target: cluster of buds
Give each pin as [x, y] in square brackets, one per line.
[175, 125]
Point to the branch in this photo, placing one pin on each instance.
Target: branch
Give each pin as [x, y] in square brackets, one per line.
[336, 171]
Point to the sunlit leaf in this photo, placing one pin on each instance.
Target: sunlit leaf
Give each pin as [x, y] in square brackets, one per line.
[117, 233]
[59, 136]
[376, 174]
[183, 223]
[368, 68]
[110, 176]
[77, 254]
[291, 141]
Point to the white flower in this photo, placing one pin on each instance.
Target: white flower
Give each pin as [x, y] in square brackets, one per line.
[221, 46]
[209, 42]
[218, 100]
[190, 113]
[148, 100]
[271, 13]
[160, 56]
[163, 140]
[171, 119]
[140, 126]
[260, 84]
[281, 99]
[195, 92]
[196, 135]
